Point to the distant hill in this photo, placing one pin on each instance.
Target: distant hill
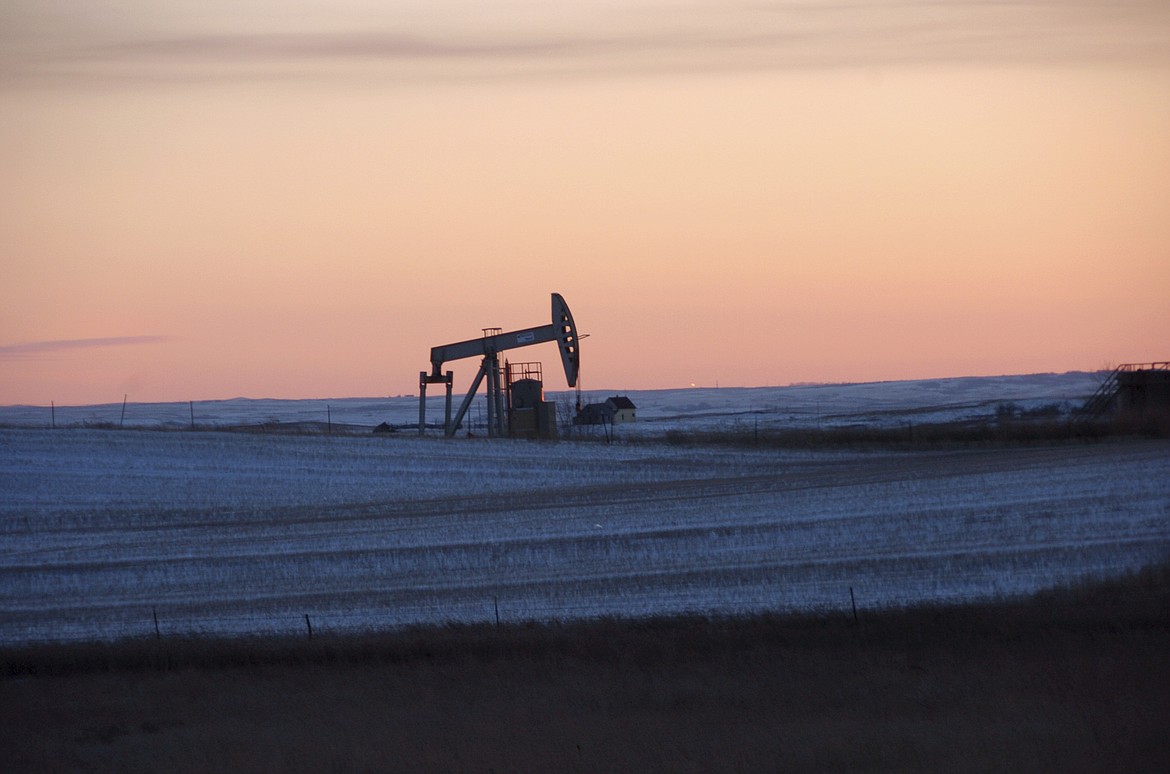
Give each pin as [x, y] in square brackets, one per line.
[871, 404]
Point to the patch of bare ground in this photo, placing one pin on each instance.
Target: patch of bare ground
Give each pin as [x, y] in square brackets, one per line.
[1070, 680]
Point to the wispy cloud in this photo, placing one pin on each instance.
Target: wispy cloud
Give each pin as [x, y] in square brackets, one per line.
[297, 46]
[36, 349]
[641, 36]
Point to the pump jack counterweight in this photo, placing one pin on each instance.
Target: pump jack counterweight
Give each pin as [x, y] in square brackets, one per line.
[562, 330]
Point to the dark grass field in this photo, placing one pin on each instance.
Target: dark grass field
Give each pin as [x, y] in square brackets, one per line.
[1009, 430]
[1071, 680]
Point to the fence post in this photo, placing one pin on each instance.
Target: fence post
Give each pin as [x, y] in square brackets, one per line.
[154, 614]
[853, 601]
[309, 625]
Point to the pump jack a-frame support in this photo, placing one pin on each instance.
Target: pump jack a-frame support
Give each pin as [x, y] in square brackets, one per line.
[562, 330]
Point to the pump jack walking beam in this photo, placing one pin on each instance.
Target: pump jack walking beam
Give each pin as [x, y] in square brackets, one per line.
[562, 330]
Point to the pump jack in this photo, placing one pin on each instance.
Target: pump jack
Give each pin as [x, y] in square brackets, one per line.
[562, 330]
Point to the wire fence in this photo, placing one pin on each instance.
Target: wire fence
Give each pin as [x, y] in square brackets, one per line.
[160, 622]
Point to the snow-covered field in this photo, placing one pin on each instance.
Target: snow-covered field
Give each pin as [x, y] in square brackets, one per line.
[248, 533]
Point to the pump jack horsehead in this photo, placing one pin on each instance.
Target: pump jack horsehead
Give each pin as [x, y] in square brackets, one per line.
[562, 330]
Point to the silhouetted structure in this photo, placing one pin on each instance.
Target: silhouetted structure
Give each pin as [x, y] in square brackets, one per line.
[1133, 388]
[562, 330]
[1144, 389]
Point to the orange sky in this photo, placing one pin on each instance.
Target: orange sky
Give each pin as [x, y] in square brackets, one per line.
[299, 199]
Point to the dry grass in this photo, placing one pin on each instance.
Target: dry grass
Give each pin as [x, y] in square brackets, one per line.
[1008, 431]
[1070, 681]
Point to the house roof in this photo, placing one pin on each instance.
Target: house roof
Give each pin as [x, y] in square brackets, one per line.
[621, 402]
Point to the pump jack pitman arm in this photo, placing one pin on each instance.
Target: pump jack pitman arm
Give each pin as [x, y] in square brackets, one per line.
[562, 330]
